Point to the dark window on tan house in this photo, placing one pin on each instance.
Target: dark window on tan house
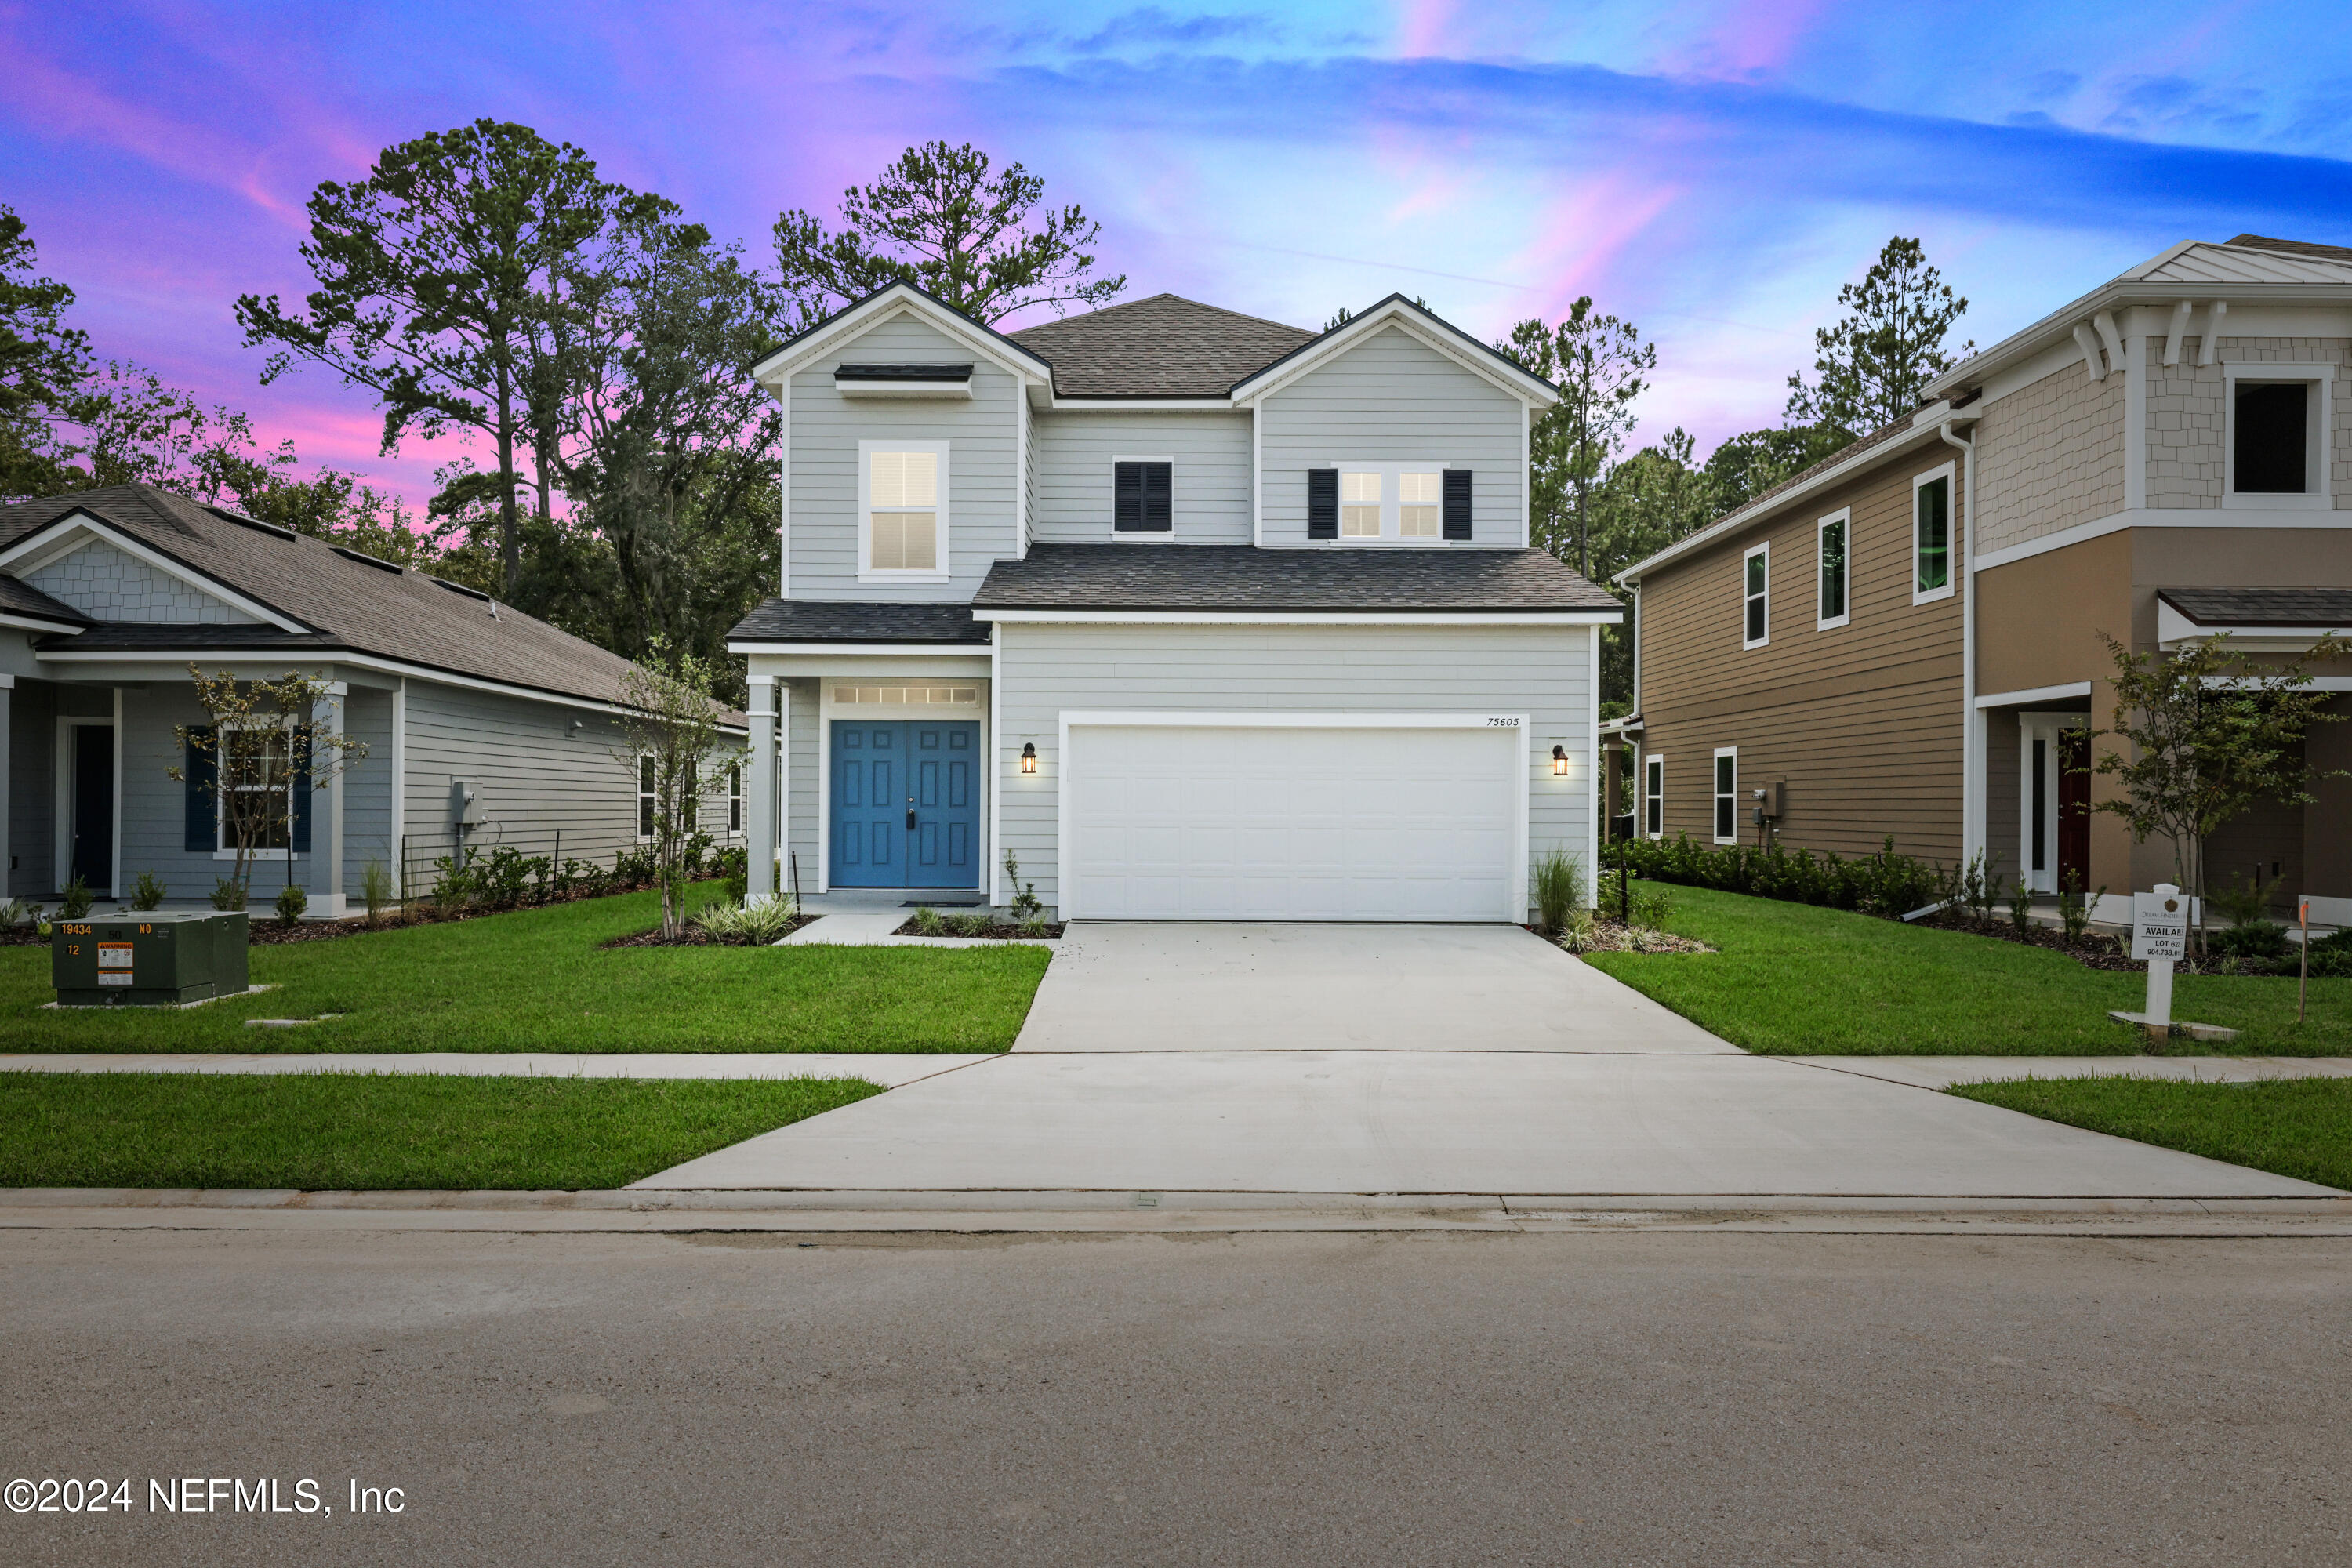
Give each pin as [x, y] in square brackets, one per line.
[1726, 795]
[1932, 538]
[2273, 437]
[1756, 617]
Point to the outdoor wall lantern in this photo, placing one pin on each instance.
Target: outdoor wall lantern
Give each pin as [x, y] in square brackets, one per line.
[1560, 762]
[1029, 756]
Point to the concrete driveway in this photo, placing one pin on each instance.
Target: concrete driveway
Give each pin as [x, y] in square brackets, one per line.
[1193, 986]
[1444, 1059]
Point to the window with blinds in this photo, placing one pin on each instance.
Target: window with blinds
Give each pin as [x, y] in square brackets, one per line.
[902, 510]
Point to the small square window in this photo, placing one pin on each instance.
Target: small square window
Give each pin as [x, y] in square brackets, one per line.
[1142, 497]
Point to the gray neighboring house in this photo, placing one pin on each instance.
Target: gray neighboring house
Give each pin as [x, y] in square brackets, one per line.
[481, 725]
[1197, 615]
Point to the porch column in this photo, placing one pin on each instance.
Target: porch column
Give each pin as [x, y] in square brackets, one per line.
[1612, 790]
[7, 822]
[760, 795]
[326, 878]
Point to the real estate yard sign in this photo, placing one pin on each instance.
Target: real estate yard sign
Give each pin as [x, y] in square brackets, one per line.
[2159, 936]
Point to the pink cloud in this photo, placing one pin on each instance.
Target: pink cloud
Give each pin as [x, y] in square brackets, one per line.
[1583, 232]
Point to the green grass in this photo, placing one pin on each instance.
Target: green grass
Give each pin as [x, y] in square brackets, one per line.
[536, 980]
[2290, 1127]
[1792, 979]
[339, 1130]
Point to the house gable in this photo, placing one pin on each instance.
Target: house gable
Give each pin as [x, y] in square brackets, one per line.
[107, 581]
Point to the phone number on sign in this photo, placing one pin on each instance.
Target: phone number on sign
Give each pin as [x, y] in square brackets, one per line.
[197, 1494]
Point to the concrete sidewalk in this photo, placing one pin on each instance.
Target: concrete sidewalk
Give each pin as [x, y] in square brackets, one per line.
[889, 1071]
[1198, 986]
[1434, 1121]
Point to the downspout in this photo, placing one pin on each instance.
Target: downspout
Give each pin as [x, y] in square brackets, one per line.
[1971, 722]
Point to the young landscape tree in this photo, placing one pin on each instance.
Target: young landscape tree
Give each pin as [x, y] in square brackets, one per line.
[2204, 735]
[1599, 363]
[670, 743]
[1874, 363]
[263, 750]
[938, 218]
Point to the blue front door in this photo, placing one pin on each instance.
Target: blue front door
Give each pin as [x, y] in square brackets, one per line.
[905, 804]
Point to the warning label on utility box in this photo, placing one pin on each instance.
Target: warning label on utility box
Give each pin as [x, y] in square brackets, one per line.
[114, 955]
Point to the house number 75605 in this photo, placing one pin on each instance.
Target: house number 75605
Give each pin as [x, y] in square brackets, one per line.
[1502, 723]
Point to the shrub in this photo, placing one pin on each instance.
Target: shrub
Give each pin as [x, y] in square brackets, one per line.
[927, 922]
[1881, 884]
[758, 925]
[504, 876]
[1560, 888]
[455, 881]
[2241, 903]
[968, 925]
[2021, 906]
[291, 901]
[633, 868]
[147, 893]
[375, 889]
[1028, 908]
[2074, 910]
[1577, 935]
[76, 899]
[17, 912]
[2250, 939]
[1651, 905]
[228, 893]
[2331, 956]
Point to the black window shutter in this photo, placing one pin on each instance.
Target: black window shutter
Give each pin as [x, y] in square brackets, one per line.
[302, 809]
[1158, 484]
[1127, 496]
[1322, 503]
[202, 836]
[1457, 503]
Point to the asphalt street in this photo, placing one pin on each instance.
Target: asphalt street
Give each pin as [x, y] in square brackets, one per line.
[1393, 1398]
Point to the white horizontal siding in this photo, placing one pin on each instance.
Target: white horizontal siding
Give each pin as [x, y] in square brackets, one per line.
[1543, 672]
[1393, 399]
[822, 465]
[1210, 499]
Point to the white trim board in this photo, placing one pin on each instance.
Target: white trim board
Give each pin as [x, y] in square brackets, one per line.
[2064, 689]
[865, 649]
[2162, 516]
[1299, 618]
[1070, 719]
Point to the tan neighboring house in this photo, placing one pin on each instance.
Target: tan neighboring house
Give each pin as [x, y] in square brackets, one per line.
[1904, 640]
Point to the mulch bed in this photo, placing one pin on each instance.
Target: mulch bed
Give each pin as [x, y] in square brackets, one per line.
[995, 930]
[695, 936]
[1609, 936]
[2094, 952]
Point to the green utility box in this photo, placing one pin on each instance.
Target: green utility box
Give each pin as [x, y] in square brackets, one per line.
[148, 960]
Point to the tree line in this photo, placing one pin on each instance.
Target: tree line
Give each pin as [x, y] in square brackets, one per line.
[589, 342]
[1601, 509]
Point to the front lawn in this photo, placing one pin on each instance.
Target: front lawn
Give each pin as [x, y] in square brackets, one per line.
[537, 980]
[341, 1131]
[2290, 1127]
[1794, 979]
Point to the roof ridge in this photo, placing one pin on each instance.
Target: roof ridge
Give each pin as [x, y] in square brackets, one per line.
[2293, 246]
[1163, 294]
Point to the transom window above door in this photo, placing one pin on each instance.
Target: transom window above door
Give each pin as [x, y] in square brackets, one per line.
[902, 509]
[907, 695]
[1142, 495]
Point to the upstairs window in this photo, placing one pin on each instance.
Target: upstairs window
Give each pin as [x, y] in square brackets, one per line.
[905, 524]
[1830, 608]
[1360, 505]
[1419, 497]
[1654, 796]
[1142, 490]
[2272, 437]
[1931, 536]
[1756, 609]
[1726, 795]
[647, 795]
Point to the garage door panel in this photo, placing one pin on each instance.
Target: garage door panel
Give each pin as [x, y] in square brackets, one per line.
[1280, 823]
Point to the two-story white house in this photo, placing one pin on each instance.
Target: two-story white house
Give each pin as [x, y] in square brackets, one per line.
[1195, 614]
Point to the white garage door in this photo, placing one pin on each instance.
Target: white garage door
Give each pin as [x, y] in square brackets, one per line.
[1178, 822]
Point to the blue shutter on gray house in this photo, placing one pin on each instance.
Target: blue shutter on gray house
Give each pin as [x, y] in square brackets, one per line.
[302, 809]
[201, 835]
[1457, 503]
[1322, 503]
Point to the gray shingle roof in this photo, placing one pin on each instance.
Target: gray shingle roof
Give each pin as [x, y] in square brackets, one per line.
[346, 603]
[23, 599]
[828, 620]
[1243, 577]
[2292, 246]
[2322, 607]
[1165, 346]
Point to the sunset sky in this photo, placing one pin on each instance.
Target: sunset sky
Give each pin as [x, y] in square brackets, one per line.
[1713, 172]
